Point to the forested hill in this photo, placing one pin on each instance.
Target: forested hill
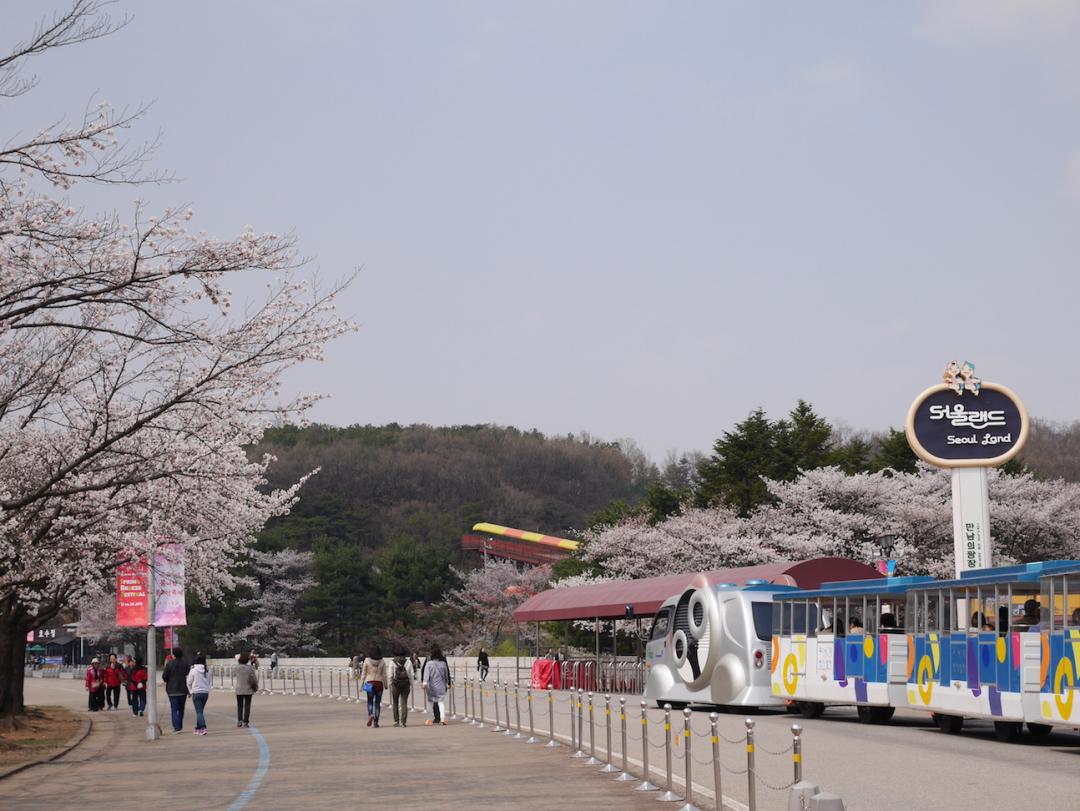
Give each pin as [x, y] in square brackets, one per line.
[384, 514]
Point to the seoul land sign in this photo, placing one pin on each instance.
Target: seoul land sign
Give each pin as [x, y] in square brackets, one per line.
[968, 425]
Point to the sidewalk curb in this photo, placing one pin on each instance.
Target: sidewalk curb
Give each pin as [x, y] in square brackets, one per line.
[72, 742]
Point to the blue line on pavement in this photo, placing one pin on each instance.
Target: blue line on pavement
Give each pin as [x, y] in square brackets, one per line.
[247, 794]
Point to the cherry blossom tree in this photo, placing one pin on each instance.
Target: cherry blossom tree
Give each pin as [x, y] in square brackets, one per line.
[278, 580]
[130, 389]
[488, 596]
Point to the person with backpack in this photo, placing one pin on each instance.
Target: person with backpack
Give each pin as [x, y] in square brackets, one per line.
[175, 678]
[400, 687]
[435, 678]
[374, 677]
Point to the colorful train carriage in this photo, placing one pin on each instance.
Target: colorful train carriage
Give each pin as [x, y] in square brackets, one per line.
[843, 644]
[976, 648]
[1059, 673]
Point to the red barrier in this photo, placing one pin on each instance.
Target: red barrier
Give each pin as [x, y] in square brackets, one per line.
[545, 674]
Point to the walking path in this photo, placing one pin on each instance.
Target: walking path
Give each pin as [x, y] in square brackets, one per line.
[320, 756]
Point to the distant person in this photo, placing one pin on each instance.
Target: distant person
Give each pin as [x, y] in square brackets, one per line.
[137, 686]
[855, 626]
[414, 660]
[95, 685]
[273, 661]
[253, 659]
[373, 677]
[1074, 620]
[1032, 616]
[129, 669]
[247, 684]
[114, 679]
[400, 687]
[198, 684]
[436, 679]
[175, 678]
[482, 664]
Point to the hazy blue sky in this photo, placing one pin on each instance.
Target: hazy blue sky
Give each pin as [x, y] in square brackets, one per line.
[633, 219]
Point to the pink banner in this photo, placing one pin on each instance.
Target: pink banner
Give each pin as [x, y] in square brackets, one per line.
[132, 595]
[169, 606]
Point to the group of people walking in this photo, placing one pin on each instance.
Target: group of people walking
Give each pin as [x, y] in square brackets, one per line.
[103, 684]
[181, 678]
[400, 673]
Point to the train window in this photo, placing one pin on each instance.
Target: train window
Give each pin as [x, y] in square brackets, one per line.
[1072, 600]
[981, 606]
[660, 624]
[893, 617]
[811, 619]
[1057, 602]
[1027, 612]
[931, 623]
[763, 613]
[827, 608]
[914, 613]
[778, 617]
[871, 614]
[856, 609]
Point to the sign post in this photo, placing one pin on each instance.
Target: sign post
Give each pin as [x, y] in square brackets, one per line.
[968, 426]
[153, 731]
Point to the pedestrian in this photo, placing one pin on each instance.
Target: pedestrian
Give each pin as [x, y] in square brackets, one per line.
[273, 661]
[198, 684]
[95, 685]
[253, 659]
[400, 687]
[373, 678]
[129, 670]
[114, 678]
[247, 683]
[175, 678]
[436, 679]
[415, 659]
[137, 687]
[482, 663]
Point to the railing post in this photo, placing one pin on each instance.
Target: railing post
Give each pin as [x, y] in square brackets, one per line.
[751, 792]
[498, 727]
[552, 743]
[668, 796]
[610, 767]
[625, 776]
[688, 764]
[517, 711]
[475, 720]
[717, 782]
[453, 697]
[796, 751]
[580, 753]
[528, 702]
[592, 761]
[292, 672]
[506, 706]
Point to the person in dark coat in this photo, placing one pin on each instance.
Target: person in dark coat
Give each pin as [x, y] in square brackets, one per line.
[482, 664]
[175, 678]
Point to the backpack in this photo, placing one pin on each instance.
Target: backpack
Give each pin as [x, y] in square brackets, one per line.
[401, 676]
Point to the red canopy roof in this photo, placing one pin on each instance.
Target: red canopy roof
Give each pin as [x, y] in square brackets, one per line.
[647, 595]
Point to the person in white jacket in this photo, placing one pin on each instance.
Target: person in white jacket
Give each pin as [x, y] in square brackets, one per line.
[199, 685]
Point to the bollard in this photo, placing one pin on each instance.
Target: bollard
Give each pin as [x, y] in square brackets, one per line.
[321, 693]
[339, 690]
[751, 794]
[717, 785]
[609, 768]
[303, 676]
[506, 707]
[498, 727]
[528, 703]
[687, 764]
[517, 711]
[552, 743]
[625, 776]
[796, 751]
[311, 676]
[453, 699]
[465, 700]
[592, 761]
[481, 725]
[580, 753]
[668, 796]
[293, 674]
[474, 721]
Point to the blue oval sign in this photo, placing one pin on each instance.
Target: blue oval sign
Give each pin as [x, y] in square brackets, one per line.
[968, 429]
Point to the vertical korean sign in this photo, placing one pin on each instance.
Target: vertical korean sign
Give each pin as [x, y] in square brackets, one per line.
[132, 594]
[968, 425]
[169, 608]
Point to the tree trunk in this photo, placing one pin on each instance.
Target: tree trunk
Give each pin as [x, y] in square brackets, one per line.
[13, 629]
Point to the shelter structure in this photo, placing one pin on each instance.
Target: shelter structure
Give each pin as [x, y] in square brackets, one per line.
[634, 599]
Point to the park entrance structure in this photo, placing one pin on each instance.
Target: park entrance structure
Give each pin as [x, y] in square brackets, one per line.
[637, 599]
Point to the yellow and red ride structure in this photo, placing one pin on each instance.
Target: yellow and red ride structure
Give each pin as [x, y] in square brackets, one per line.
[518, 545]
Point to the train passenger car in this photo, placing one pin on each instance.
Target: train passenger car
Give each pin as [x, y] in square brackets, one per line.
[1059, 673]
[711, 645]
[843, 644]
[975, 648]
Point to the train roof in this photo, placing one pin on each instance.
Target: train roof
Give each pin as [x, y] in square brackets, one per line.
[842, 588]
[1021, 573]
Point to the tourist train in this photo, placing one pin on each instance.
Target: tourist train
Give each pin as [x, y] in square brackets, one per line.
[999, 644]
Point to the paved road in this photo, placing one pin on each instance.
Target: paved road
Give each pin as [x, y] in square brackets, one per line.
[320, 755]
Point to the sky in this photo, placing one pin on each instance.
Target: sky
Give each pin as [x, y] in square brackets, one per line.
[629, 219]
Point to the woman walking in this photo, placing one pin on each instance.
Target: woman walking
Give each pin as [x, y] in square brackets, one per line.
[95, 685]
[247, 683]
[374, 678]
[198, 684]
[137, 687]
[436, 680]
[114, 678]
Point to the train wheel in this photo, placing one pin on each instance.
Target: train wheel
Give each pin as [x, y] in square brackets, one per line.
[1039, 731]
[1007, 731]
[866, 714]
[948, 723]
[811, 709]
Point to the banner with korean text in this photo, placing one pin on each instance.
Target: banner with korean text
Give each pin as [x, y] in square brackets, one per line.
[132, 594]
